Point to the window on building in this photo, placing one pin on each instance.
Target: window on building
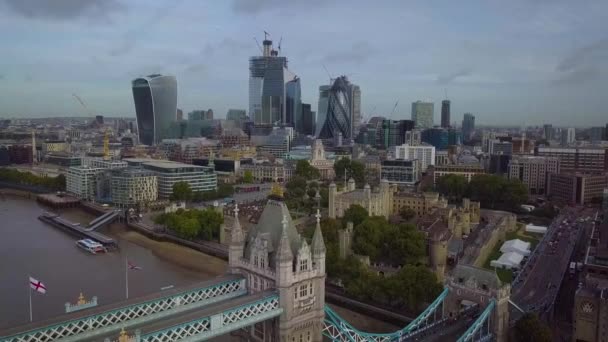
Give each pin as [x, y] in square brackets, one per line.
[303, 264]
[303, 291]
[258, 330]
[255, 260]
[255, 283]
[308, 338]
[262, 262]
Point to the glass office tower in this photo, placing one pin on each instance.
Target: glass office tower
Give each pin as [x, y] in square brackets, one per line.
[155, 98]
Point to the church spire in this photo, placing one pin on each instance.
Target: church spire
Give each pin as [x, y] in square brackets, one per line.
[236, 234]
[284, 251]
[318, 245]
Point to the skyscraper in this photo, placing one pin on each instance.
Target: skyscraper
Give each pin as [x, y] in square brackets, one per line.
[445, 113]
[468, 126]
[422, 114]
[308, 120]
[356, 107]
[155, 98]
[336, 106]
[568, 136]
[393, 132]
[548, 132]
[274, 91]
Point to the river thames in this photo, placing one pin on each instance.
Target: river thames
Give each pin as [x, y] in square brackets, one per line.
[29, 247]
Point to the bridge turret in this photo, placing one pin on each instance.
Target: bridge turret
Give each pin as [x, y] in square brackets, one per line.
[318, 246]
[237, 242]
[284, 258]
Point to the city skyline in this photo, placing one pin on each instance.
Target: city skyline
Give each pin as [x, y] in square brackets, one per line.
[526, 66]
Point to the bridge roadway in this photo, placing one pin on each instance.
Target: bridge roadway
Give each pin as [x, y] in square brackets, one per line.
[5, 335]
[188, 316]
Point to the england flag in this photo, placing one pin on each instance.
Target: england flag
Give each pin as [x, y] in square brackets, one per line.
[37, 285]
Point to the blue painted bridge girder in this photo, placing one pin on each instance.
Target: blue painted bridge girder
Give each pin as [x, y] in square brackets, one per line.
[337, 329]
[476, 329]
[83, 325]
[221, 319]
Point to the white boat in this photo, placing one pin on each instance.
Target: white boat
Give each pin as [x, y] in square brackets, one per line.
[91, 246]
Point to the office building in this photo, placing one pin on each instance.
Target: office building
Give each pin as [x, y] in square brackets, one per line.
[133, 187]
[400, 171]
[442, 157]
[20, 154]
[200, 178]
[445, 113]
[568, 136]
[467, 171]
[393, 132]
[268, 172]
[308, 120]
[413, 137]
[576, 188]
[239, 115]
[454, 136]
[596, 133]
[179, 115]
[274, 91]
[437, 137]
[533, 171]
[200, 114]
[422, 114]
[155, 98]
[356, 91]
[497, 147]
[577, 159]
[499, 164]
[234, 137]
[548, 132]
[336, 109]
[468, 126]
[81, 181]
[425, 154]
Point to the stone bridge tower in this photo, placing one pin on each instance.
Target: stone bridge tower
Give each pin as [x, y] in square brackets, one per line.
[273, 256]
[469, 284]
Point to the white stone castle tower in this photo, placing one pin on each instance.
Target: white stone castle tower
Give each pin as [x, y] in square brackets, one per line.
[273, 256]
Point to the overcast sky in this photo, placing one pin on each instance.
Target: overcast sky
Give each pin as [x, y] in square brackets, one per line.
[522, 62]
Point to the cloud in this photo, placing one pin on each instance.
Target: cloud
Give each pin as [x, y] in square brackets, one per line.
[130, 38]
[62, 9]
[578, 76]
[591, 54]
[257, 6]
[585, 64]
[448, 78]
[358, 53]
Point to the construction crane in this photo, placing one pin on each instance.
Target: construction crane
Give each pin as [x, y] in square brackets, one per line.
[279, 46]
[393, 111]
[328, 74]
[82, 104]
[259, 46]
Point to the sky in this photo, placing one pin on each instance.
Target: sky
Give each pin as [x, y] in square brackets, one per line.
[516, 62]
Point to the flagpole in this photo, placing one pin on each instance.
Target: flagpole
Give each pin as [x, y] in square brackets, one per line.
[29, 292]
[126, 277]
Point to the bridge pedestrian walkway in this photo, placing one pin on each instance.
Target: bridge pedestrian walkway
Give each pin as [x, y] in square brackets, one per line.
[91, 323]
[102, 220]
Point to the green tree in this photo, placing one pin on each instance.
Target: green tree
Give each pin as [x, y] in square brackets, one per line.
[368, 236]
[306, 171]
[405, 244]
[353, 169]
[407, 213]
[452, 186]
[210, 221]
[181, 191]
[248, 176]
[355, 214]
[529, 328]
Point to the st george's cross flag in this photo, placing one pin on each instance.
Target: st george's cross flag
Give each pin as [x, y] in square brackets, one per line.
[132, 266]
[37, 285]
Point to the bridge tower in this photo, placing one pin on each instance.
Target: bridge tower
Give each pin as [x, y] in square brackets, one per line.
[273, 256]
[479, 286]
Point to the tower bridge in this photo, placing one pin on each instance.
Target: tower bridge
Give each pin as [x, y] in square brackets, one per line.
[274, 291]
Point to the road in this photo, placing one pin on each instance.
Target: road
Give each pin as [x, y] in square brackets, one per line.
[540, 279]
